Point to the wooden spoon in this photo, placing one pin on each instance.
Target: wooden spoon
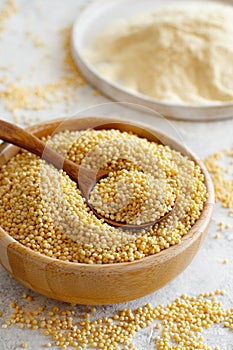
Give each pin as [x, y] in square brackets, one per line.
[85, 178]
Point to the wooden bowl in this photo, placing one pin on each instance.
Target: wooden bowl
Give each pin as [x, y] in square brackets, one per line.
[111, 283]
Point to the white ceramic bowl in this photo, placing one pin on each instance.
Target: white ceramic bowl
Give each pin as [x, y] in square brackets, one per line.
[101, 14]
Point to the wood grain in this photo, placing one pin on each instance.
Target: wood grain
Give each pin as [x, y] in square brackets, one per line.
[111, 283]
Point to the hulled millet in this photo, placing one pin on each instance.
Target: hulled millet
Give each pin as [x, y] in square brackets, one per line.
[222, 180]
[42, 208]
[6, 12]
[219, 165]
[177, 325]
[19, 98]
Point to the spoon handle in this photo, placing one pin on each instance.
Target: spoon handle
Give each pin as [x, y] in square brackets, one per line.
[86, 178]
[19, 137]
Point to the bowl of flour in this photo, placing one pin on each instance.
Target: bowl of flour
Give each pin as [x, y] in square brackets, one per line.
[175, 57]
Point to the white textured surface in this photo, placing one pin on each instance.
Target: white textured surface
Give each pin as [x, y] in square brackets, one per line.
[45, 19]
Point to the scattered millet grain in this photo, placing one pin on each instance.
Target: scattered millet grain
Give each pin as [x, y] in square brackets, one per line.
[17, 97]
[6, 12]
[223, 183]
[38, 42]
[221, 226]
[180, 324]
[43, 209]
[97, 93]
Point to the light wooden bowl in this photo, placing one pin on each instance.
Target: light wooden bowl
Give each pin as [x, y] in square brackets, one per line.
[102, 284]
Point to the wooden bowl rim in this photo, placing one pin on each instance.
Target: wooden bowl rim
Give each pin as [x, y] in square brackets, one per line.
[197, 229]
